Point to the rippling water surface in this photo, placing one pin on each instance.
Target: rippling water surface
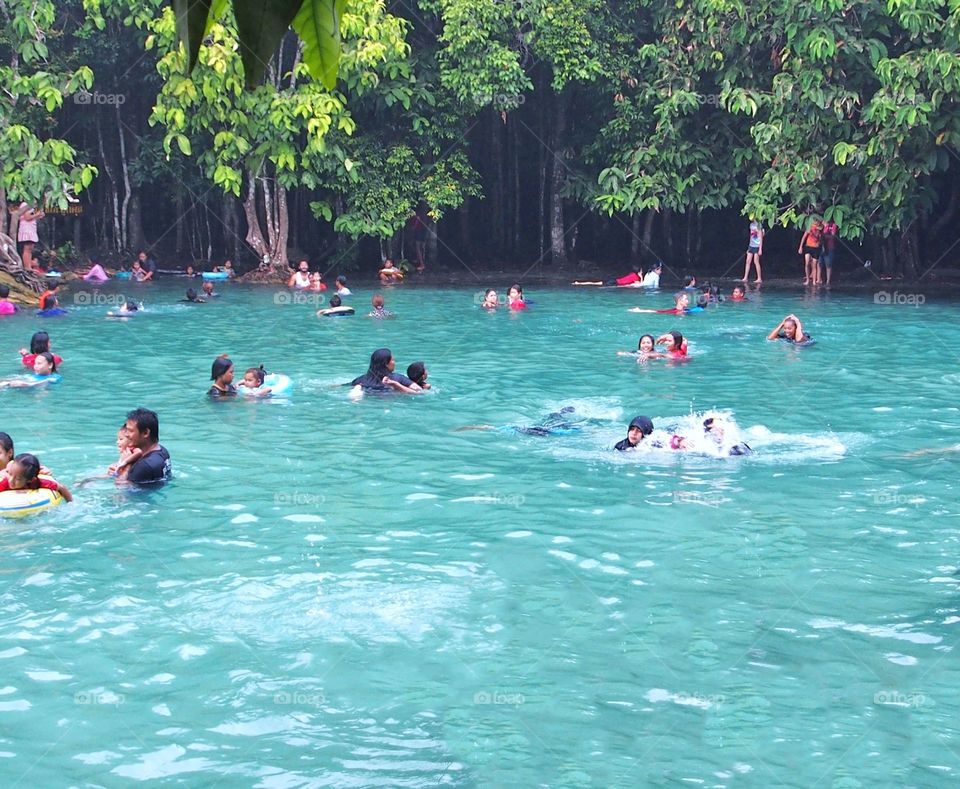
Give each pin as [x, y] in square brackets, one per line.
[337, 593]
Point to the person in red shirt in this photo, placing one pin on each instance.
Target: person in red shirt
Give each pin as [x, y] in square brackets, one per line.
[48, 299]
[23, 474]
[39, 343]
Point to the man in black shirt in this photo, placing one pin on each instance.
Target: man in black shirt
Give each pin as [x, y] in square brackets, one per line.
[142, 430]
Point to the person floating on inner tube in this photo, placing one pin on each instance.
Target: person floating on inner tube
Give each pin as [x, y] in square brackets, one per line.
[23, 474]
[791, 330]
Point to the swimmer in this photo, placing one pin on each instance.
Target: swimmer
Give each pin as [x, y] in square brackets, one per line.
[127, 309]
[791, 330]
[342, 289]
[317, 285]
[226, 268]
[252, 383]
[193, 298]
[48, 299]
[44, 372]
[645, 348]
[713, 429]
[417, 372]
[640, 427]
[390, 274]
[96, 274]
[191, 273]
[378, 310]
[207, 287]
[675, 346]
[631, 279]
[689, 282]
[681, 306]
[7, 307]
[7, 454]
[490, 301]
[23, 473]
[381, 378]
[221, 373]
[39, 343]
[557, 423]
[300, 279]
[738, 295]
[515, 298]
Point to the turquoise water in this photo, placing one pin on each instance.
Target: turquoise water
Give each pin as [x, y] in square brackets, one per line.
[338, 593]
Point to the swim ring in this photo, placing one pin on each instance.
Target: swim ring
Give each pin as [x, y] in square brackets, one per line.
[21, 503]
[53, 378]
[122, 275]
[216, 275]
[279, 385]
[53, 312]
[337, 312]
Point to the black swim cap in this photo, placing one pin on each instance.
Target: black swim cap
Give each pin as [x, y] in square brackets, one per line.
[643, 423]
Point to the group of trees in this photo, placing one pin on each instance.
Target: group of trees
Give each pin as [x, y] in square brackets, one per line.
[539, 131]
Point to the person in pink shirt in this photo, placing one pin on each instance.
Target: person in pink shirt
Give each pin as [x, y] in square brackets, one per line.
[27, 233]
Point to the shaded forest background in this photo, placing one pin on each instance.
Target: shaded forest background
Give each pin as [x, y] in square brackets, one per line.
[531, 135]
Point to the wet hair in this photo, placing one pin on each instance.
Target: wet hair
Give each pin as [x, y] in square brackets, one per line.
[6, 443]
[145, 419]
[51, 359]
[30, 465]
[517, 288]
[489, 291]
[207, 284]
[220, 366]
[677, 338]
[680, 295]
[131, 306]
[377, 301]
[640, 341]
[373, 378]
[259, 372]
[4, 291]
[191, 294]
[335, 300]
[341, 280]
[689, 281]
[40, 342]
[53, 284]
[416, 371]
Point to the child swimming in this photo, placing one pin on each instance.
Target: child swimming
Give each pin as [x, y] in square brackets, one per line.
[645, 349]
[39, 343]
[44, 372]
[252, 383]
[23, 473]
[417, 372]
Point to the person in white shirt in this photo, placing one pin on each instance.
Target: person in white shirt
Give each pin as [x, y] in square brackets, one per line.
[652, 277]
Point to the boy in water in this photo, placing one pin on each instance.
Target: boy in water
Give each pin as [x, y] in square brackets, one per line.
[378, 310]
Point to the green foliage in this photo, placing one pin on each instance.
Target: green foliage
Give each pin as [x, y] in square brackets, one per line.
[34, 168]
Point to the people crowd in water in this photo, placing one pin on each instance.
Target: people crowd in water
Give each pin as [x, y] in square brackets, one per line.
[145, 462]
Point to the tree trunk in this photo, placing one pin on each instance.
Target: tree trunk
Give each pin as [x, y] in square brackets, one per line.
[114, 193]
[432, 242]
[4, 213]
[558, 246]
[124, 209]
[635, 239]
[668, 231]
[499, 202]
[648, 228]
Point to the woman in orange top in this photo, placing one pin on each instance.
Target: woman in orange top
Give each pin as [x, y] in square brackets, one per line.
[810, 249]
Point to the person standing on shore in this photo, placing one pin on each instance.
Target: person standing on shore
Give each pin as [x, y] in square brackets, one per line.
[810, 249]
[754, 251]
[27, 233]
[829, 248]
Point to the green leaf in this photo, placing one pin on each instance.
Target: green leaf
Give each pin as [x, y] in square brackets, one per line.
[318, 25]
[191, 26]
[261, 25]
[184, 144]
